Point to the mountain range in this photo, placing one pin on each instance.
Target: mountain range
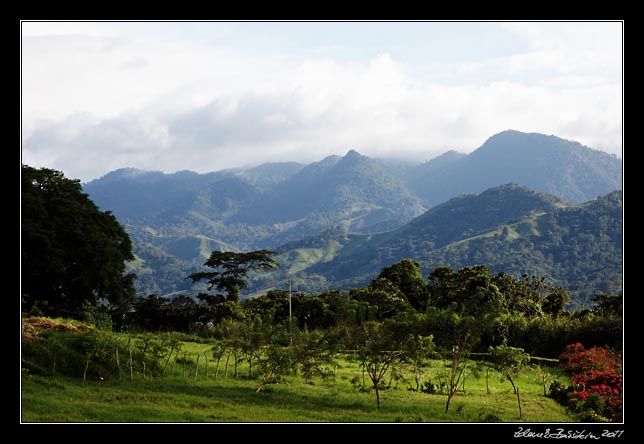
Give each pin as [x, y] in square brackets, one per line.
[336, 222]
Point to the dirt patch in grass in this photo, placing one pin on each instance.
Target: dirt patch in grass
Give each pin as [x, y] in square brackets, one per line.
[33, 326]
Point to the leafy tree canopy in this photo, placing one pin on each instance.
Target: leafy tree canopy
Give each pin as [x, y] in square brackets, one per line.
[608, 304]
[468, 291]
[407, 276]
[72, 254]
[232, 269]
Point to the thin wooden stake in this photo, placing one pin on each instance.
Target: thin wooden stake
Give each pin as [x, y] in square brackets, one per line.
[118, 364]
[145, 347]
[129, 347]
[197, 367]
[85, 372]
[167, 361]
[175, 362]
[227, 359]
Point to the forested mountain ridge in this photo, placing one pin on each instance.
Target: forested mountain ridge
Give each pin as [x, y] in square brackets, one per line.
[544, 163]
[457, 219]
[578, 247]
[176, 219]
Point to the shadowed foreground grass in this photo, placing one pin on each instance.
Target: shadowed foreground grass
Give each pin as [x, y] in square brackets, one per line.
[181, 398]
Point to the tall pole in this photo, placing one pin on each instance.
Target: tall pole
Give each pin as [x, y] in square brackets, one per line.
[290, 311]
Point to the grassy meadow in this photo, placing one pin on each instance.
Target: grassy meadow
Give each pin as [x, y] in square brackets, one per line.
[190, 394]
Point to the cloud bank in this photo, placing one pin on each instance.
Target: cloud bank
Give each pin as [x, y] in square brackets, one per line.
[96, 101]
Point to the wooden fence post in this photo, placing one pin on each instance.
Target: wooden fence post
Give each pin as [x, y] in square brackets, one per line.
[197, 367]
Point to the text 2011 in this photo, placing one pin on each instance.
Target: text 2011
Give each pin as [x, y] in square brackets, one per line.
[612, 433]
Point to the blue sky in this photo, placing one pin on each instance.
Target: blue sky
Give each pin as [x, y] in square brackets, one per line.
[204, 96]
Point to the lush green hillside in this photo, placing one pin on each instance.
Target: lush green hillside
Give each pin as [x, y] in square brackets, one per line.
[509, 228]
[578, 247]
[459, 218]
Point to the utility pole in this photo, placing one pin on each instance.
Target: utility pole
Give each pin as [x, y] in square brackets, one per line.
[290, 311]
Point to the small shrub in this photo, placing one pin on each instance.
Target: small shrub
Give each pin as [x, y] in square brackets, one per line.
[592, 416]
[489, 417]
[429, 388]
[559, 391]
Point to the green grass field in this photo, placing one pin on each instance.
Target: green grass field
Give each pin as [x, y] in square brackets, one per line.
[219, 397]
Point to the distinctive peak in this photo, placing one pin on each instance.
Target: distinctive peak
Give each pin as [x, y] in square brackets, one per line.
[353, 154]
[353, 159]
[510, 132]
[528, 140]
[509, 136]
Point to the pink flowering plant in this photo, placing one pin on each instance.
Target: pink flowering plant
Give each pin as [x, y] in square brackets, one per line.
[596, 376]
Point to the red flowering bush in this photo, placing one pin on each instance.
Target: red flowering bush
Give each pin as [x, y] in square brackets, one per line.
[596, 377]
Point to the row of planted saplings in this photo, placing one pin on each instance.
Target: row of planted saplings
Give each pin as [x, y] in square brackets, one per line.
[95, 356]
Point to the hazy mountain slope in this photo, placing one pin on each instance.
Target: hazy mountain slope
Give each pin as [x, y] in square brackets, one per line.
[136, 195]
[544, 163]
[270, 173]
[174, 219]
[354, 191]
[282, 201]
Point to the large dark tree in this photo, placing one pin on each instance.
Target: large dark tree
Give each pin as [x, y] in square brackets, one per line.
[73, 254]
[406, 275]
[383, 295]
[463, 307]
[232, 269]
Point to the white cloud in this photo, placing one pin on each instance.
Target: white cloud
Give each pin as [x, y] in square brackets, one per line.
[102, 100]
[574, 46]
